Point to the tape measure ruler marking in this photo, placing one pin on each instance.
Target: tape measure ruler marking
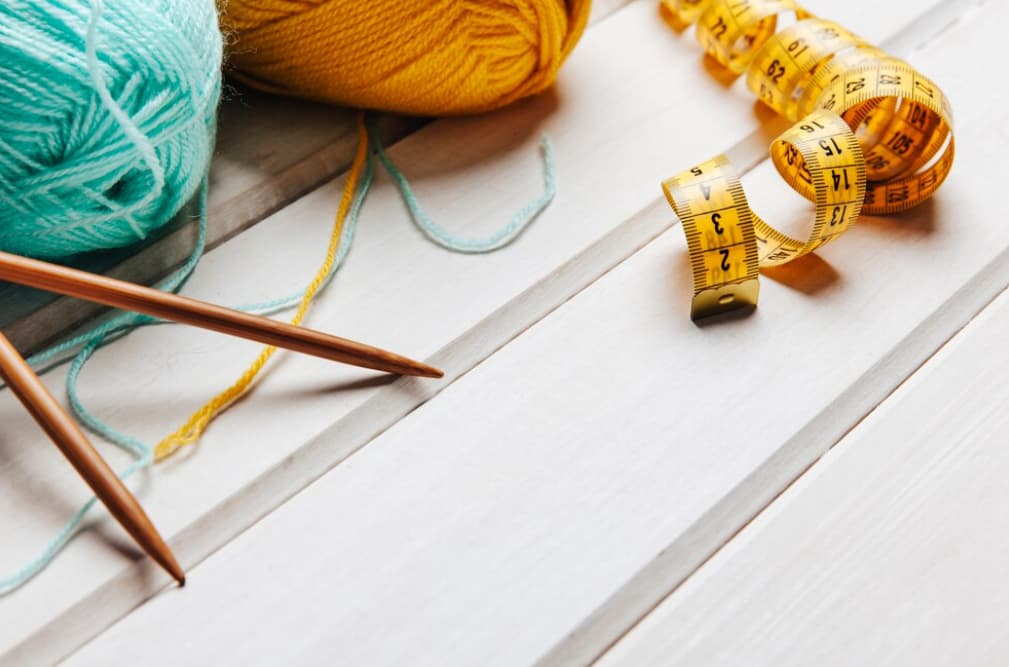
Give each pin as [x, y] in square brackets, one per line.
[868, 132]
[718, 223]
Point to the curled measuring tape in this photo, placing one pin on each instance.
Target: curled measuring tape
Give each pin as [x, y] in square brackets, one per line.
[872, 135]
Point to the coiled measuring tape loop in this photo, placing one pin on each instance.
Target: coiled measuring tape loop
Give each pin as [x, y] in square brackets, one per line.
[820, 158]
[876, 136]
[900, 160]
[783, 69]
[791, 71]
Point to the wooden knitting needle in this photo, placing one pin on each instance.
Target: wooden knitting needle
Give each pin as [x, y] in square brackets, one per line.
[132, 297]
[63, 431]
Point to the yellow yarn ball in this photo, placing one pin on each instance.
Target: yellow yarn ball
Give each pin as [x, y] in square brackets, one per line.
[433, 57]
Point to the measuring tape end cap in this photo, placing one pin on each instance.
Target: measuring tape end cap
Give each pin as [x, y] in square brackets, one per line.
[725, 299]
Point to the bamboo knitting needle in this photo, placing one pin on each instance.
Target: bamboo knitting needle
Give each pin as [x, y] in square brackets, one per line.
[132, 297]
[63, 431]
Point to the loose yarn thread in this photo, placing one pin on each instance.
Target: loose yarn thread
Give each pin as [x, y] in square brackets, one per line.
[86, 344]
[80, 348]
[191, 431]
[194, 427]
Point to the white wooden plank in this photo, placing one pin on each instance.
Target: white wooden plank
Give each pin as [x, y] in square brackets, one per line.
[403, 294]
[891, 550]
[559, 490]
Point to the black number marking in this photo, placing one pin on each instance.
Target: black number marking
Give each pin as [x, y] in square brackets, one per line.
[896, 194]
[837, 215]
[927, 180]
[837, 178]
[725, 259]
[854, 86]
[804, 173]
[719, 28]
[775, 70]
[791, 154]
[919, 115]
[794, 48]
[924, 88]
[778, 255]
[877, 162]
[715, 218]
[900, 143]
[827, 150]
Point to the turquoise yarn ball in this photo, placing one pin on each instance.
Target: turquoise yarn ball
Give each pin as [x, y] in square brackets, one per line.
[107, 119]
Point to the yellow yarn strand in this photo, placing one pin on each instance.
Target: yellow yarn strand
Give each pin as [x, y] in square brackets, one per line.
[194, 427]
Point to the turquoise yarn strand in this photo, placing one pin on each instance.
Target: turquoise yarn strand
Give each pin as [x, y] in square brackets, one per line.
[109, 113]
[89, 342]
[498, 239]
[79, 349]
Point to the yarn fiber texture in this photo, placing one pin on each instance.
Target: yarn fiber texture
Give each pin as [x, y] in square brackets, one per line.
[435, 57]
[109, 112]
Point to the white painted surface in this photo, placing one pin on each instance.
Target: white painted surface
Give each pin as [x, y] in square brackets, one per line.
[889, 551]
[457, 167]
[545, 501]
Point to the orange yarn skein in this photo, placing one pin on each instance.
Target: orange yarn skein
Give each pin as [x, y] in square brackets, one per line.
[435, 57]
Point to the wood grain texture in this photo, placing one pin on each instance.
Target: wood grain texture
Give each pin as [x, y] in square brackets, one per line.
[891, 550]
[554, 494]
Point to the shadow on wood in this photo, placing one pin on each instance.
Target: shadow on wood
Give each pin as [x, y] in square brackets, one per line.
[808, 274]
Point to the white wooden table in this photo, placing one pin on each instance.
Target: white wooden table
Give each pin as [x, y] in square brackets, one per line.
[568, 494]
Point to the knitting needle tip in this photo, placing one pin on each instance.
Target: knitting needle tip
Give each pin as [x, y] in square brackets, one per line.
[423, 370]
[166, 560]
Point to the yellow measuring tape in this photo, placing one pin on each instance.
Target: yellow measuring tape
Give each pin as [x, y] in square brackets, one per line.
[875, 137]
